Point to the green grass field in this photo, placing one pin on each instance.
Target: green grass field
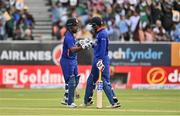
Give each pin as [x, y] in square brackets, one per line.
[46, 102]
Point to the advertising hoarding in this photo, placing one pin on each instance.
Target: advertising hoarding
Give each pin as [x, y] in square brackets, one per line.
[175, 54]
[140, 54]
[25, 53]
[48, 76]
[42, 76]
[161, 75]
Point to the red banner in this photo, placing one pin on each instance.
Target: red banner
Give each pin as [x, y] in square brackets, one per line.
[48, 76]
[161, 75]
[44, 76]
[37, 76]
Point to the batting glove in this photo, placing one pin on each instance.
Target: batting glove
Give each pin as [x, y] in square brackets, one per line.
[100, 65]
[85, 44]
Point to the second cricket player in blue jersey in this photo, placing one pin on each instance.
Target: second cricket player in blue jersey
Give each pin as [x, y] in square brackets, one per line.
[100, 62]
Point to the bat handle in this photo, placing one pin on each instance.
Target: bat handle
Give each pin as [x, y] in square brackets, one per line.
[100, 75]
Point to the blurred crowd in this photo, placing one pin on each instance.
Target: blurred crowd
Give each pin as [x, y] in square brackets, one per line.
[15, 20]
[126, 20]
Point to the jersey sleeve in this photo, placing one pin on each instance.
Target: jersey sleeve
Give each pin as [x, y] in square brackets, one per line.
[69, 42]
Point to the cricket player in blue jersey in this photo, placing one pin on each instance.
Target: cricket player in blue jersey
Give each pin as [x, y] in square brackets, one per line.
[69, 60]
[100, 62]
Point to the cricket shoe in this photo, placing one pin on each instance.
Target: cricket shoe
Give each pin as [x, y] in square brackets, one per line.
[116, 105]
[73, 105]
[63, 102]
[88, 104]
[116, 100]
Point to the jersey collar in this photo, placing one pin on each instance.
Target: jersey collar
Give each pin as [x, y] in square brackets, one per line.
[101, 28]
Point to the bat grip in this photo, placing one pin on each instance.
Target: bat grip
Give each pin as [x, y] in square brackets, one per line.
[100, 75]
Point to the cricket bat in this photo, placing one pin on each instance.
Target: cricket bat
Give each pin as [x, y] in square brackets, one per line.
[99, 90]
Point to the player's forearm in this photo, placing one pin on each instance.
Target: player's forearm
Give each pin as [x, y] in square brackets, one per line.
[75, 49]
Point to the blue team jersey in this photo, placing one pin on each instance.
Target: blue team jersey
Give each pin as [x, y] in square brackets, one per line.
[101, 48]
[69, 42]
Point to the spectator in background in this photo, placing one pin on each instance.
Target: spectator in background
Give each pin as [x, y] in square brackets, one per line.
[59, 17]
[16, 15]
[2, 27]
[156, 11]
[137, 15]
[30, 22]
[148, 33]
[23, 29]
[160, 32]
[166, 19]
[111, 11]
[119, 11]
[175, 33]
[134, 24]
[30, 19]
[18, 23]
[56, 30]
[109, 30]
[113, 31]
[55, 12]
[143, 10]
[82, 12]
[95, 12]
[62, 32]
[124, 29]
[55, 18]
[10, 24]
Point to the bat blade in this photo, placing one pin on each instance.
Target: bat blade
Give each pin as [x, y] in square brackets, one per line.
[99, 94]
[99, 91]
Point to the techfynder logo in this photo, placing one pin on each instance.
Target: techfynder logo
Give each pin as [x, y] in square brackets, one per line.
[133, 56]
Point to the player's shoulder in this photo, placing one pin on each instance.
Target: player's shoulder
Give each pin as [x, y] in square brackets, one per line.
[103, 34]
[68, 36]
